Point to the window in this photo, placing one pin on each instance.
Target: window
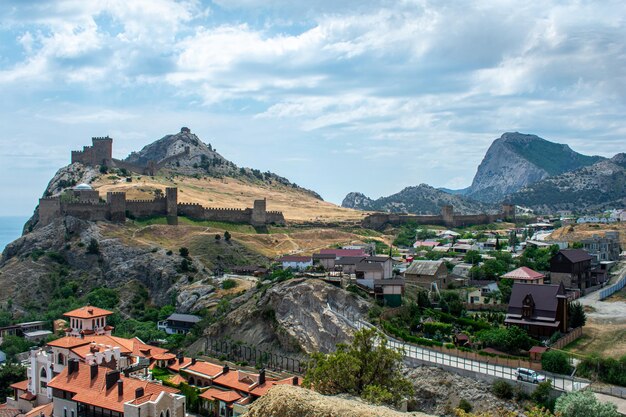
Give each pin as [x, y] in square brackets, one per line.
[64, 411]
[167, 413]
[72, 413]
[61, 359]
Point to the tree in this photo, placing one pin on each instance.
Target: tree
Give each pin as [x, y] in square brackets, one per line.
[583, 404]
[577, 315]
[366, 368]
[505, 287]
[93, 248]
[472, 257]
[555, 361]
[10, 374]
[184, 252]
[103, 298]
[217, 237]
[227, 236]
[577, 245]
[541, 394]
[14, 345]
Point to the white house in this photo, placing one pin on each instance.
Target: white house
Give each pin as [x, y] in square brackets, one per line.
[297, 263]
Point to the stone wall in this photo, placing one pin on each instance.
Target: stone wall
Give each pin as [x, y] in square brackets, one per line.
[100, 153]
[147, 208]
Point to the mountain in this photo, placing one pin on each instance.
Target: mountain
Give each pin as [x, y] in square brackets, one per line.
[590, 189]
[517, 160]
[185, 154]
[422, 199]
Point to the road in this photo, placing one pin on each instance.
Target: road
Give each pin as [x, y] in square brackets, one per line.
[438, 358]
[603, 311]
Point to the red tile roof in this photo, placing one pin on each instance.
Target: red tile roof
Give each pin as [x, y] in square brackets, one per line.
[94, 392]
[176, 367]
[523, 273]
[22, 385]
[83, 347]
[45, 410]
[293, 258]
[218, 394]
[205, 368]
[88, 312]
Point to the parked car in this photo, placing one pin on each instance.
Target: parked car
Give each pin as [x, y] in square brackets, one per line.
[528, 375]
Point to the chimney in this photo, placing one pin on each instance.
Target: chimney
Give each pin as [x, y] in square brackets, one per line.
[225, 369]
[181, 358]
[72, 366]
[193, 361]
[262, 377]
[93, 370]
[120, 387]
[111, 378]
[139, 393]
[295, 380]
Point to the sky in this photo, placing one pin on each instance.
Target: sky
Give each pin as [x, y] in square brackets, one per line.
[337, 96]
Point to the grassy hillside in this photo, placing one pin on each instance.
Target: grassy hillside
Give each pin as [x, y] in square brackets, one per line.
[555, 158]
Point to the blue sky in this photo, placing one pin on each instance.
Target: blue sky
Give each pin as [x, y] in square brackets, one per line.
[337, 96]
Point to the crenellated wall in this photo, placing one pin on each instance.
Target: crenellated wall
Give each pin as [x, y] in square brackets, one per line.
[447, 218]
[100, 153]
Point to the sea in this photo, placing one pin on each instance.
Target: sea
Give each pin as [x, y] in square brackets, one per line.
[10, 229]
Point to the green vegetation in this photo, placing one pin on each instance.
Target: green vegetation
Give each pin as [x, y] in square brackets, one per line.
[93, 248]
[538, 259]
[10, 374]
[508, 339]
[609, 370]
[577, 315]
[14, 345]
[556, 361]
[583, 404]
[227, 284]
[367, 368]
[502, 389]
[406, 235]
[465, 405]
[541, 395]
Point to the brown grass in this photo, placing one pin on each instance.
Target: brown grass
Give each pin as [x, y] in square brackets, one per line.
[601, 338]
[577, 232]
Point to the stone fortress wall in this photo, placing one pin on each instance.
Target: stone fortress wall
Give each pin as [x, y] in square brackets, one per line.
[447, 218]
[85, 203]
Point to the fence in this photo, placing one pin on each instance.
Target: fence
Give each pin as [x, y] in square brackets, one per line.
[608, 291]
[568, 338]
[609, 390]
[238, 352]
[467, 361]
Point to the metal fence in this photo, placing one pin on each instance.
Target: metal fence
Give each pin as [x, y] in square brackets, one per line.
[238, 352]
[466, 364]
[608, 291]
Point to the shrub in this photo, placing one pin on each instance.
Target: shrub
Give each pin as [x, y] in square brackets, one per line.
[434, 327]
[555, 361]
[578, 318]
[541, 394]
[502, 389]
[584, 403]
[93, 248]
[184, 252]
[465, 405]
[227, 284]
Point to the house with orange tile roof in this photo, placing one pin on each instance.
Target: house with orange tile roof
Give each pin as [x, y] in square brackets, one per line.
[88, 320]
[95, 391]
[525, 275]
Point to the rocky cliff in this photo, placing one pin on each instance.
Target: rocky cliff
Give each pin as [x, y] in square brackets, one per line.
[422, 199]
[590, 189]
[516, 160]
[292, 316]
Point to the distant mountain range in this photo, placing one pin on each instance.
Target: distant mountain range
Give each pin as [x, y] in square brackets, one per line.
[422, 199]
[524, 169]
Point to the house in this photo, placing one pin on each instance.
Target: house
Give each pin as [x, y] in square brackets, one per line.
[424, 273]
[178, 323]
[572, 267]
[390, 290]
[88, 320]
[385, 262]
[296, 263]
[425, 244]
[541, 310]
[525, 274]
[250, 270]
[347, 264]
[462, 270]
[21, 329]
[339, 253]
[92, 390]
[602, 248]
[484, 295]
[324, 260]
[463, 247]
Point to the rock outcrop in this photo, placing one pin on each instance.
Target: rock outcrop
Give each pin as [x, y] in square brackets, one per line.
[290, 401]
[517, 160]
[292, 316]
[422, 199]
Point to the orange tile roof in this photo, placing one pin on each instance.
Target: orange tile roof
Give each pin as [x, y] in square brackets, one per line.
[235, 380]
[205, 368]
[218, 394]
[261, 390]
[88, 312]
[94, 392]
[22, 385]
[163, 356]
[45, 409]
[82, 347]
[176, 379]
[68, 342]
[178, 366]
[28, 396]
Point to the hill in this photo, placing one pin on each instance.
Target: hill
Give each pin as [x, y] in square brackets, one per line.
[590, 189]
[517, 160]
[422, 199]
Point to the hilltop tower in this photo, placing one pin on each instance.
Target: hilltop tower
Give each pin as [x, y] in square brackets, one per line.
[259, 213]
[117, 206]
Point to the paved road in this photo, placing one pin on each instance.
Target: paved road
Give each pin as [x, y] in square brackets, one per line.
[438, 358]
[606, 312]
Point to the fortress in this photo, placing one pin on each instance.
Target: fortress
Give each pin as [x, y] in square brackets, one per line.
[446, 218]
[84, 203]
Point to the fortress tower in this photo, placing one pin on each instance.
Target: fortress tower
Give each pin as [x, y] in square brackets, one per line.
[100, 153]
[171, 207]
[447, 214]
[508, 211]
[259, 213]
[117, 206]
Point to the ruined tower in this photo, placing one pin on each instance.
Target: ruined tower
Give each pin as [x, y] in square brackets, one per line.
[171, 207]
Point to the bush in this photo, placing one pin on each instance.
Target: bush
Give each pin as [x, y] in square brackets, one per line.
[502, 389]
[93, 248]
[578, 318]
[227, 284]
[434, 327]
[184, 252]
[541, 394]
[607, 370]
[556, 361]
[465, 405]
[583, 403]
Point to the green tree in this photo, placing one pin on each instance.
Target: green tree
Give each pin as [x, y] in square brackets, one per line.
[13, 345]
[218, 237]
[541, 394]
[366, 368]
[227, 236]
[93, 248]
[227, 284]
[103, 298]
[583, 404]
[184, 252]
[577, 245]
[10, 374]
[577, 315]
[472, 257]
[555, 361]
[505, 286]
